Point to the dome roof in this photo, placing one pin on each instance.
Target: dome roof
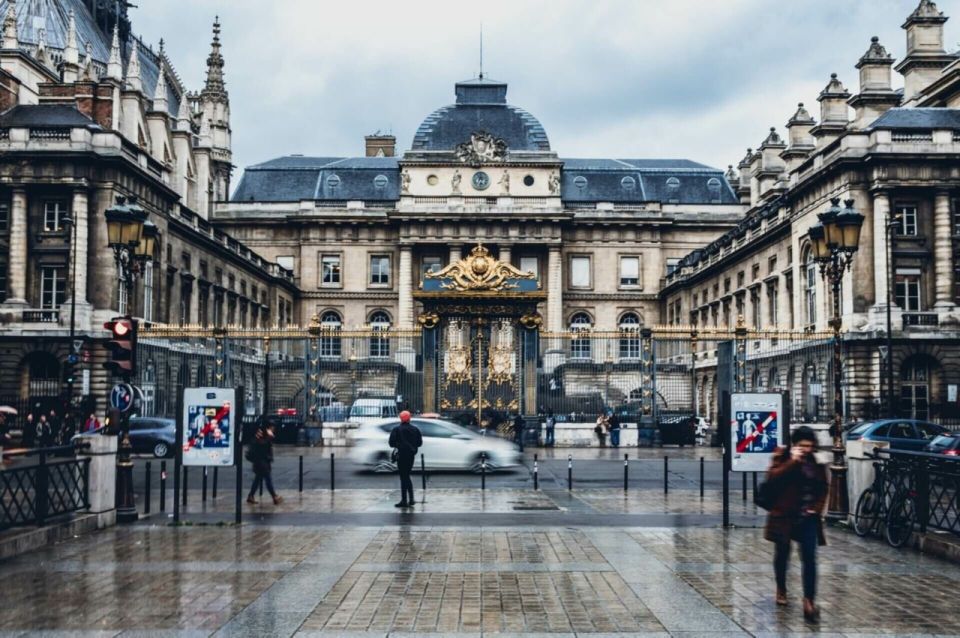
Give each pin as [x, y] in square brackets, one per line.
[481, 106]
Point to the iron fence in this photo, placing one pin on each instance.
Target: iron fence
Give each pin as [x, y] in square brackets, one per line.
[39, 487]
[932, 481]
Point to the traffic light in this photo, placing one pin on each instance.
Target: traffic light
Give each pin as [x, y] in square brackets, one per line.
[122, 346]
[69, 373]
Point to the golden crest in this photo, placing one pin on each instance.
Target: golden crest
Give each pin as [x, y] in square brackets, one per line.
[429, 320]
[532, 321]
[479, 271]
[458, 366]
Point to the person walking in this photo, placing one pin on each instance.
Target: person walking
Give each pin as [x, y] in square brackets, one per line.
[601, 429]
[260, 454]
[519, 425]
[44, 437]
[614, 425]
[551, 428]
[92, 424]
[799, 486]
[406, 440]
[29, 431]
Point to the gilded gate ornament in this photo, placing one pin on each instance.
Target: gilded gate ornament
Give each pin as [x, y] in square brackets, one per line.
[532, 321]
[479, 271]
[429, 320]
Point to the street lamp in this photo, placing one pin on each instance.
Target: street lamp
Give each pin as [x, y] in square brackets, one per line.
[833, 241]
[132, 238]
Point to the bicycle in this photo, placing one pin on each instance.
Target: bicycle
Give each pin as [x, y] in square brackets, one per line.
[901, 516]
[872, 505]
[898, 518]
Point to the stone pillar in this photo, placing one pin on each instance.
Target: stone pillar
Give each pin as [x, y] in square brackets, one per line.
[942, 253]
[881, 212]
[406, 355]
[78, 246]
[17, 267]
[102, 452]
[505, 254]
[554, 347]
[454, 254]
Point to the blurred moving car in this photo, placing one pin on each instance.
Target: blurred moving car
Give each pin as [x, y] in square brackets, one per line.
[153, 435]
[902, 434]
[364, 410]
[945, 444]
[446, 445]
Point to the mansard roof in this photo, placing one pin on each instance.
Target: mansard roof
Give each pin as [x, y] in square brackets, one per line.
[919, 118]
[295, 177]
[45, 116]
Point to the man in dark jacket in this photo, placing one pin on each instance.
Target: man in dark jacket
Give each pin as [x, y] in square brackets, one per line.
[519, 425]
[406, 439]
[614, 422]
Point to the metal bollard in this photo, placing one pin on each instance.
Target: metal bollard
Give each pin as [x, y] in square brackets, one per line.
[701, 477]
[744, 486]
[626, 469]
[666, 471]
[483, 471]
[536, 474]
[203, 489]
[163, 486]
[146, 489]
[569, 472]
[423, 479]
[184, 500]
[215, 483]
[333, 484]
[300, 475]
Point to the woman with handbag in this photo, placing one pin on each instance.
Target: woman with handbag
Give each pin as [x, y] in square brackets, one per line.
[601, 429]
[797, 489]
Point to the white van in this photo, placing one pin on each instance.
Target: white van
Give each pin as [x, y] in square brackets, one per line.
[364, 410]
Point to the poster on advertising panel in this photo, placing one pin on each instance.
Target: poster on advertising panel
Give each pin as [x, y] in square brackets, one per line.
[208, 426]
[757, 428]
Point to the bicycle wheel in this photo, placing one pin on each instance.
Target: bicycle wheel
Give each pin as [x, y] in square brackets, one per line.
[866, 515]
[900, 520]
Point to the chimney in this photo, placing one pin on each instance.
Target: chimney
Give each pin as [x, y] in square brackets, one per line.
[378, 145]
[834, 115]
[876, 94]
[801, 142]
[926, 56]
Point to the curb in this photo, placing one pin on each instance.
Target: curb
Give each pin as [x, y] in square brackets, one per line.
[27, 540]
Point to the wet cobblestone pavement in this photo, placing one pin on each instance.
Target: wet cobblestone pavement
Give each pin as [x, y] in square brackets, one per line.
[407, 576]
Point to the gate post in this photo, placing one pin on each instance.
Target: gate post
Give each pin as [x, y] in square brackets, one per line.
[647, 420]
[531, 349]
[740, 356]
[429, 332]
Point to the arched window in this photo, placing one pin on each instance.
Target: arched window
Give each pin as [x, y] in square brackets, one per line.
[379, 346]
[756, 380]
[330, 344]
[630, 336]
[915, 388]
[809, 275]
[713, 187]
[580, 346]
[773, 379]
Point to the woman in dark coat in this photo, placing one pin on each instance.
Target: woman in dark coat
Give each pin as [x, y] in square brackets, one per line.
[799, 482]
[260, 454]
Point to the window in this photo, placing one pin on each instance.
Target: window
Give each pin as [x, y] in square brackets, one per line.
[907, 213]
[773, 381]
[915, 389]
[954, 204]
[330, 324]
[772, 290]
[4, 217]
[203, 269]
[810, 289]
[53, 214]
[755, 307]
[379, 346]
[630, 337]
[907, 289]
[430, 263]
[740, 279]
[186, 292]
[330, 270]
[218, 276]
[3, 281]
[772, 265]
[580, 271]
[52, 287]
[789, 255]
[629, 271]
[185, 262]
[580, 347]
[148, 290]
[203, 306]
[285, 261]
[755, 272]
[672, 263]
[379, 270]
[530, 264]
[726, 286]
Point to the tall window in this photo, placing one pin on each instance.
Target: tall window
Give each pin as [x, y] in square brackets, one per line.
[755, 307]
[379, 270]
[629, 271]
[52, 287]
[915, 390]
[4, 217]
[148, 290]
[773, 381]
[330, 271]
[379, 346]
[772, 309]
[330, 344]
[580, 346]
[908, 219]
[530, 264]
[186, 291]
[630, 336]
[907, 290]
[53, 213]
[580, 271]
[809, 288]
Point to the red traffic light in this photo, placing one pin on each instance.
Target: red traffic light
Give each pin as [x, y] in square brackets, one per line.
[122, 347]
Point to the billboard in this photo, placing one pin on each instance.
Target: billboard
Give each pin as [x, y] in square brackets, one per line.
[208, 426]
[757, 428]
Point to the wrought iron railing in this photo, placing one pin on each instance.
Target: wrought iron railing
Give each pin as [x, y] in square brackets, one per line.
[44, 315]
[920, 319]
[933, 480]
[41, 485]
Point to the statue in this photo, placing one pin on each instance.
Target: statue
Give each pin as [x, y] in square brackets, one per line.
[455, 182]
[554, 183]
[405, 182]
[505, 182]
[482, 147]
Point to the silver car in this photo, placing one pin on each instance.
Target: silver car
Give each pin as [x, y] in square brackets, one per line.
[446, 446]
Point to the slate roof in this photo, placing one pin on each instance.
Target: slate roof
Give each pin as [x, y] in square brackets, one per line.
[295, 177]
[44, 115]
[679, 181]
[918, 118]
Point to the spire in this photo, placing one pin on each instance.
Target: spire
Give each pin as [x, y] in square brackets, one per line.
[10, 40]
[133, 69]
[160, 93]
[183, 114]
[214, 85]
[115, 64]
[71, 55]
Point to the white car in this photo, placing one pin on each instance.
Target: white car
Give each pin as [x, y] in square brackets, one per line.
[445, 446]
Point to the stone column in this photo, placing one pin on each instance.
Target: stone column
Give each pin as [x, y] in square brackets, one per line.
[17, 267]
[406, 355]
[554, 352]
[942, 253]
[78, 248]
[505, 254]
[102, 452]
[454, 254]
[881, 212]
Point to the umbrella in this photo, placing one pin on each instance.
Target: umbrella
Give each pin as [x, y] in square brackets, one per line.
[6, 409]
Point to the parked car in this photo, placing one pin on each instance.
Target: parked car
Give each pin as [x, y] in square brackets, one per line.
[945, 444]
[153, 435]
[364, 410]
[902, 434]
[446, 445]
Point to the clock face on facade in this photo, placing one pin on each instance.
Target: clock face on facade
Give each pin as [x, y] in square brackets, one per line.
[480, 180]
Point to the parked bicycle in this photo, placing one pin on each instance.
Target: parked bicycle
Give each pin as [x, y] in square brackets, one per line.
[896, 513]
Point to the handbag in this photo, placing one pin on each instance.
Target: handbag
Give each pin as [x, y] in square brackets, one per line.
[394, 455]
[766, 495]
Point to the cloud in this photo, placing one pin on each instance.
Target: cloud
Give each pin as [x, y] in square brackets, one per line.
[696, 79]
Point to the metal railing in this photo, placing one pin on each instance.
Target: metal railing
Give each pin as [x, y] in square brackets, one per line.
[32, 492]
[920, 319]
[933, 481]
[45, 315]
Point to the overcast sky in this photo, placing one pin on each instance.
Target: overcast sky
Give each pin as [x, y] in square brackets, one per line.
[607, 78]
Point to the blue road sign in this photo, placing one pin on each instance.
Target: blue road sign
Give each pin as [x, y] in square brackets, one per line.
[73, 359]
[121, 397]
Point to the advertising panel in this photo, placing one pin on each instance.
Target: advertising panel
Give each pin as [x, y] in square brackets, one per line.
[208, 426]
[757, 428]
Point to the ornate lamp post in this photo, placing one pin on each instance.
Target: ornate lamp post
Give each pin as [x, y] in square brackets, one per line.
[834, 240]
[132, 238]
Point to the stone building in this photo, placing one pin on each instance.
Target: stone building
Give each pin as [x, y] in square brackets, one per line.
[893, 154]
[89, 112]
